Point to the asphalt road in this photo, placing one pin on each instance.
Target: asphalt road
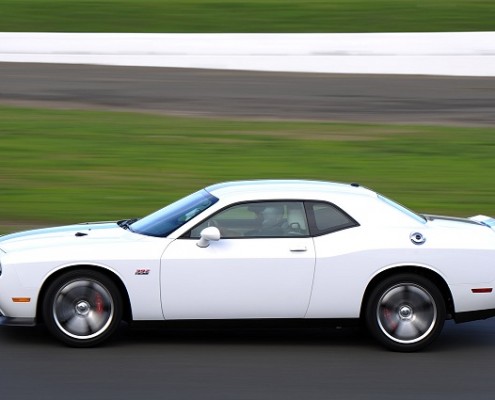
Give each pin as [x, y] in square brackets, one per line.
[249, 364]
[374, 98]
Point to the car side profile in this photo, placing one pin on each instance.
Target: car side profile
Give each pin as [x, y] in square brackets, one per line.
[270, 250]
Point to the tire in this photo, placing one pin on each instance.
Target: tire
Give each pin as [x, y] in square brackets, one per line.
[82, 308]
[405, 312]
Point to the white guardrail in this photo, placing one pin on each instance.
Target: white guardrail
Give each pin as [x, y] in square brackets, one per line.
[462, 54]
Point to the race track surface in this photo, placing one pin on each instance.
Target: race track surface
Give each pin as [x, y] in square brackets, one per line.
[373, 98]
[249, 364]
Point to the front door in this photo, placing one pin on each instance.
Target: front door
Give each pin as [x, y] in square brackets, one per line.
[262, 266]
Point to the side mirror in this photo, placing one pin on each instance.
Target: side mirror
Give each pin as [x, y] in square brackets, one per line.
[207, 235]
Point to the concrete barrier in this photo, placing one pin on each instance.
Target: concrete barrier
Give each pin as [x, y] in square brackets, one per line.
[463, 54]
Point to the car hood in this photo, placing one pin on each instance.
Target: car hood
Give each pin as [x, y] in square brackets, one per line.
[60, 235]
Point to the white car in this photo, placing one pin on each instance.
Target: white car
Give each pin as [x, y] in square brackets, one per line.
[256, 250]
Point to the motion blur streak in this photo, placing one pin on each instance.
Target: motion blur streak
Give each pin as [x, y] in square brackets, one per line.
[366, 98]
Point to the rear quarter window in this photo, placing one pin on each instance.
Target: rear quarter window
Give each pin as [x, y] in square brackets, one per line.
[327, 218]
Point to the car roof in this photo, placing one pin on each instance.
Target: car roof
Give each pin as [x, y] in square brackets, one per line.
[286, 187]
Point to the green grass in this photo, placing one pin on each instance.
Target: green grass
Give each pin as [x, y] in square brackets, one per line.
[73, 166]
[246, 15]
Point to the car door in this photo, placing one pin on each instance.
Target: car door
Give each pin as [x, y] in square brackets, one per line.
[262, 266]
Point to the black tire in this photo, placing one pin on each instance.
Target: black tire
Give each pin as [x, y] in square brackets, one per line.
[405, 312]
[82, 308]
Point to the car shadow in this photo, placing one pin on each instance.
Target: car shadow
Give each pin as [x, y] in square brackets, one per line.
[249, 336]
[479, 335]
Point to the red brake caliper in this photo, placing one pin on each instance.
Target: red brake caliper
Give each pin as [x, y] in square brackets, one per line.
[99, 303]
[389, 318]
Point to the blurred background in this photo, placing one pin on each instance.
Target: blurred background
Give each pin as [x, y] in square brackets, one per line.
[80, 153]
[250, 16]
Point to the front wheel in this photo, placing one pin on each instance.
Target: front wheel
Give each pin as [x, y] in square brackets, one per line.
[82, 308]
[405, 312]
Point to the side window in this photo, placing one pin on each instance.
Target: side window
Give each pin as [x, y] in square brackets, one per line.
[327, 218]
[260, 219]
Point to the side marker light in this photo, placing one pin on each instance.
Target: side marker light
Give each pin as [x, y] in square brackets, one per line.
[21, 299]
[482, 290]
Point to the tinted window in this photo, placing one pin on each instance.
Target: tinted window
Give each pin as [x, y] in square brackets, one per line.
[328, 218]
[260, 219]
[163, 222]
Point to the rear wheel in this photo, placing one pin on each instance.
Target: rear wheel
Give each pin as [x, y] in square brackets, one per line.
[82, 308]
[405, 312]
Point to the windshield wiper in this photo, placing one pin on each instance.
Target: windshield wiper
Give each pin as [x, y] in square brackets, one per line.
[126, 223]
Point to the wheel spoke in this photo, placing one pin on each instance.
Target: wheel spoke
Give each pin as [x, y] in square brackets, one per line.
[406, 293]
[424, 305]
[77, 325]
[421, 325]
[66, 297]
[96, 321]
[406, 330]
[87, 289]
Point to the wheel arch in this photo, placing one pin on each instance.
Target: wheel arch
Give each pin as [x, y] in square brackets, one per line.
[427, 273]
[127, 312]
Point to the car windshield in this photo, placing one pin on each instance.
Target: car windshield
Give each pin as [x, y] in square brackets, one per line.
[163, 222]
[402, 209]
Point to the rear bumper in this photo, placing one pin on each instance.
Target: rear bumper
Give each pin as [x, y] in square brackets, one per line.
[473, 315]
[12, 321]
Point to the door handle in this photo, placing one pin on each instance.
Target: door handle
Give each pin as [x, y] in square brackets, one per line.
[298, 249]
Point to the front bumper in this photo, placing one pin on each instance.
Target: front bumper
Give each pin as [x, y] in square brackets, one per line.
[13, 321]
